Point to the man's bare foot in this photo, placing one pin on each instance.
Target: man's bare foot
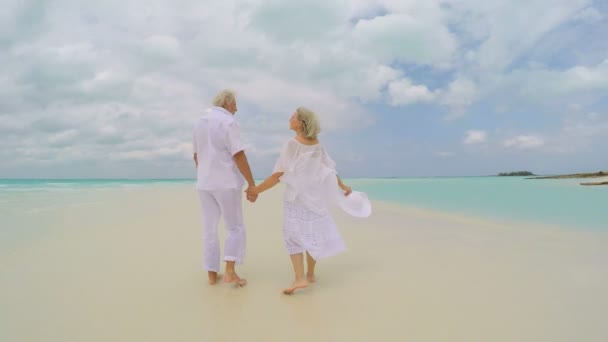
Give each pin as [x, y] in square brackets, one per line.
[310, 277]
[213, 277]
[235, 279]
[298, 284]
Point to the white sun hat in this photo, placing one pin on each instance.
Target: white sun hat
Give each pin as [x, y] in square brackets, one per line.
[356, 204]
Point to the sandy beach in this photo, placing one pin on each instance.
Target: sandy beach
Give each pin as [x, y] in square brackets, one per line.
[124, 265]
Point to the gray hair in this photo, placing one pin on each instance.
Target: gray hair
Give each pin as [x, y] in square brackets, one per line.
[223, 98]
[310, 122]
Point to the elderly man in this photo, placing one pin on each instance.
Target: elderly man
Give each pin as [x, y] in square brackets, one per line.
[221, 166]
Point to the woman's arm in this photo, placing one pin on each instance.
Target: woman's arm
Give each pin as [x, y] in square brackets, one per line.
[347, 190]
[268, 183]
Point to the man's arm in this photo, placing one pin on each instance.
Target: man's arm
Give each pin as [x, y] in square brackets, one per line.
[196, 160]
[241, 162]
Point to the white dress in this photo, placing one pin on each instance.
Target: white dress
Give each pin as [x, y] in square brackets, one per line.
[311, 186]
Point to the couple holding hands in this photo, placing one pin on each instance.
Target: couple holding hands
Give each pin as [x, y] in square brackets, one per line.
[311, 187]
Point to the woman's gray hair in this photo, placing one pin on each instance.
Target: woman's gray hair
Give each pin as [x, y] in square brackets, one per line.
[310, 122]
[223, 98]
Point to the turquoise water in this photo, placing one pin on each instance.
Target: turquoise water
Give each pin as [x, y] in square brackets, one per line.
[556, 202]
[50, 184]
[562, 202]
[28, 208]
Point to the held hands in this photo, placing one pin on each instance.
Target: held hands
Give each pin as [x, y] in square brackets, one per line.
[252, 194]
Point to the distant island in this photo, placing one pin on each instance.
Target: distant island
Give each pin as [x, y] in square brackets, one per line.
[595, 183]
[516, 173]
[576, 175]
[599, 174]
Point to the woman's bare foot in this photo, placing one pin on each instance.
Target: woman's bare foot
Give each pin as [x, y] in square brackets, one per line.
[213, 277]
[298, 284]
[310, 277]
[233, 278]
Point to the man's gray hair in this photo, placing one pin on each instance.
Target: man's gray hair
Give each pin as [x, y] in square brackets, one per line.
[223, 98]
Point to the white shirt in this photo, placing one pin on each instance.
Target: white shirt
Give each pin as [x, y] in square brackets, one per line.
[216, 139]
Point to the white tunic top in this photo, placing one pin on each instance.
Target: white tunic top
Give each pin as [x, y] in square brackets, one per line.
[216, 139]
[307, 173]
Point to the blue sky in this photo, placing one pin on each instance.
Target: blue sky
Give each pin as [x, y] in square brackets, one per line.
[403, 88]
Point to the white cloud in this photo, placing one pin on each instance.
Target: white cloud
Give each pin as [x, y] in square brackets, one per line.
[161, 46]
[179, 151]
[299, 20]
[507, 29]
[542, 84]
[281, 98]
[111, 78]
[579, 134]
[403, 92]
[374, 81]
[474, 137]
[502, 34]
[459, 95]
[590, 14]
[406, 38]
[456, 97]
[524, 142]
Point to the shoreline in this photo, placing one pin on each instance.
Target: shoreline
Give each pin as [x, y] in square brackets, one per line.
[426, 211]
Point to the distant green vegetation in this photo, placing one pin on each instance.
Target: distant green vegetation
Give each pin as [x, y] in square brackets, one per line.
[517, 173]
[577, 175]
[599, 174]
[595, 183]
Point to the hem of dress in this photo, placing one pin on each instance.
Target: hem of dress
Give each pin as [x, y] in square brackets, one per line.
[328, 255]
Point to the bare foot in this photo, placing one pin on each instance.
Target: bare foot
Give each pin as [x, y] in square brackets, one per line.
[235, 279]
[213, 277]
[310, 278]
[298, 284]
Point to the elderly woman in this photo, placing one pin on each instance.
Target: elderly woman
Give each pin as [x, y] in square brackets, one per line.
[312, 185]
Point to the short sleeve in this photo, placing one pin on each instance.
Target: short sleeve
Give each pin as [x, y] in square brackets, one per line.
[233, 141]
[285, 158]
[327, 161]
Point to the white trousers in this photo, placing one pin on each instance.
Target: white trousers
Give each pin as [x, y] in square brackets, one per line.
[227, 204]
